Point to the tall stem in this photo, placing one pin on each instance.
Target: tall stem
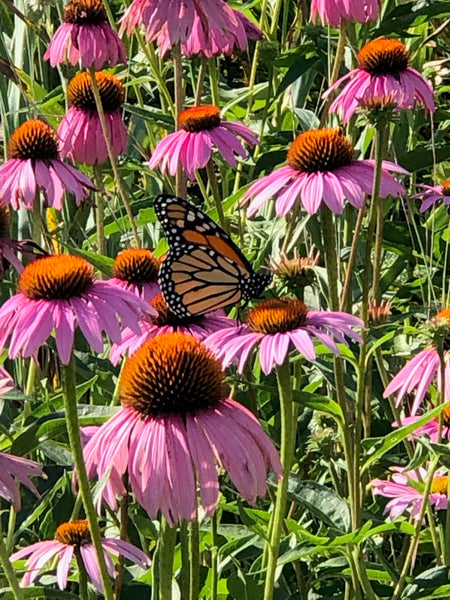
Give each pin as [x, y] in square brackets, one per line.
[82, 577]
[339, 57]
[194, 559]
[112, 159]
[9, 571]
[214, 561]
[216, 195]
[167, 538]
[288, 433]
[381, 151]
[180, 184]
[346, 296]
[100, 213]
[73, 430]
[214, 81]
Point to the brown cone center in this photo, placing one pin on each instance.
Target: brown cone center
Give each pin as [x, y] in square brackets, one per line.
[58, 277]
[173, 373]
[277, 315]
[383, 57]
[320, 150]
[199, 118]
[136, 265]
[80, 94]
[33, 139]
[73, 533]
[85, 12]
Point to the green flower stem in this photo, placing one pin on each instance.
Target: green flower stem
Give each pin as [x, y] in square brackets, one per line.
[73, 430]
[288, 433]
[346, 296]
[200, 81]
[212, 178]
[112, 159]
[167, 539]
[9, 571]
[180, 178]
[100, 212]
[194, 560]
[82, 577]
[382, 141]
[37, 219]
[185, 572]
[214, 81]
[124, 518]
[214, 557]
[150, 54]
[415, 538]
[339, 57]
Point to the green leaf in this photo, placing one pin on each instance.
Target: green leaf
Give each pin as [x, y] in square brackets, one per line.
[40, 592]
[433, 583]
[379, 446]
[301, 66]
[321, 501]
[410, 14]
[320, 403]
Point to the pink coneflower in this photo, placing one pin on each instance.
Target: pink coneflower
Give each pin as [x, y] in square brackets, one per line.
[175, 427]
[434, 193]
[277, 325]
[431, 429]
[34, 165]
[60, 292]
[382, 71]
[14, 469]
[177, 21]
[419, 372]
[332, 11]
[86, 36]
[80, 131]
[406, 491]
[200, 129]
[167, 322]
[321, 169]
[73, 539]
[136, 269]
[214, 41]
[7, 383]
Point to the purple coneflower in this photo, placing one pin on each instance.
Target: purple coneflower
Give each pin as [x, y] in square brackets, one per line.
[14, 469]
[177, 21]
[34, 165]
[321, 169]
[332, 11]
[73, 539]
[406, 491]
[61, 293]
[434, 193]
[166, 321]
[86, 36]
[419, 372]
[136, 269]
[175, 427]
[200, 129]
[81, 131]
[278, 324]
[213, 42]
[382, 71]
[432, 429]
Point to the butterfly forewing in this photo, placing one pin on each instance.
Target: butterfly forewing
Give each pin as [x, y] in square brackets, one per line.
[204, 269]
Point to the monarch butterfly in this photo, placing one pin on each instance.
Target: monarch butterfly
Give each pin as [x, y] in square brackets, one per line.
[204, 269]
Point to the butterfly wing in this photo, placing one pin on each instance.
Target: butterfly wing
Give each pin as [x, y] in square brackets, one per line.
[204, 269]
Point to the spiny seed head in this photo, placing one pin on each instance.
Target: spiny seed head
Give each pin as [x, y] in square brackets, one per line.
[173, 373]
[199, 118]
[34, 139]
[277, 315]
[136, 265]
[85, 12]
[166, 317]
[58, 277]
[80, 94]
[320, 150]
[383, 57]
[74, 533]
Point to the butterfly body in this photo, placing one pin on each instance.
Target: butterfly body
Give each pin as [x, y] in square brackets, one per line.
[204, 269]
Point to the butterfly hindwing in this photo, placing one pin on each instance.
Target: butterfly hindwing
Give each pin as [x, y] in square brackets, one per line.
[204, 269]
